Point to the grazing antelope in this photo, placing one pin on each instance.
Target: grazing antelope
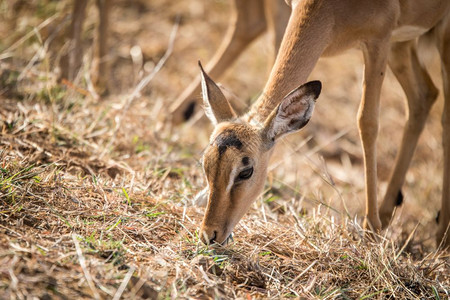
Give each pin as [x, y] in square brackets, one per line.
[249, 19]
[235, 162]
[70, 63]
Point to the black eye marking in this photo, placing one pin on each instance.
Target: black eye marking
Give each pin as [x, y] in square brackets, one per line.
[227, 139]
[244, 175]
[245, 160]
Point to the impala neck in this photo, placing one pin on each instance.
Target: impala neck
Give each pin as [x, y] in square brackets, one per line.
[307, 35]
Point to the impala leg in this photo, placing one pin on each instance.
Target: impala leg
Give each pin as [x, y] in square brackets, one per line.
[421, 94]
[247, 23]
[375, 60]
[71, 62]
[443, 234]
[100, 65]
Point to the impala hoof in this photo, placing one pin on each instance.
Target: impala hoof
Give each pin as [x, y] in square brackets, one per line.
[399, 199]
[189, 111]
[443, 236]
[443, 232]
[387, 209]
[373, 228]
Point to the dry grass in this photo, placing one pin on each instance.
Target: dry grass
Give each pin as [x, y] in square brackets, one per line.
[90, 209]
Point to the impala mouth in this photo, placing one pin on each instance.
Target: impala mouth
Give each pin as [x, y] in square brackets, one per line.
[228, 240]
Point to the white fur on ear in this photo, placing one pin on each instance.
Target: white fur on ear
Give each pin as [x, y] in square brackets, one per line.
[206, 106]
[216, 106]
[294, 111]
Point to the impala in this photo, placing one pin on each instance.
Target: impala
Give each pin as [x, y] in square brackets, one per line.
[70, 62]
[236, 159]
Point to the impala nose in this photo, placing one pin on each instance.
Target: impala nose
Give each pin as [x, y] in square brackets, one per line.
[208, 238]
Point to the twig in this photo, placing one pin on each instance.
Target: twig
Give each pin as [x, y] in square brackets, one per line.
[27, 36]
[87, 275]
[298, 276]
[124, 283]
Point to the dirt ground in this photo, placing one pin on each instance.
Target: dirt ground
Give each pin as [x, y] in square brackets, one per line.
[96, 193]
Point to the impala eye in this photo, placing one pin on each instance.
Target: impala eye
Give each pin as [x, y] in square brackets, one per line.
[246, 174]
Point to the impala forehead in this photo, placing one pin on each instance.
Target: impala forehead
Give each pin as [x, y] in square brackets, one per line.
[227, 139]
[232, 146]
[238, 135]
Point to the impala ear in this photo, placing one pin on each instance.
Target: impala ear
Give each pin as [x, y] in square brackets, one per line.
[293, 112]
[217, 108]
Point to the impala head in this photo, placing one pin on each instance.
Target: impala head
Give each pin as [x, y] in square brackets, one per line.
[236, 159]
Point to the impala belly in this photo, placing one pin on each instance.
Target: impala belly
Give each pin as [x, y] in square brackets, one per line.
[407, 32]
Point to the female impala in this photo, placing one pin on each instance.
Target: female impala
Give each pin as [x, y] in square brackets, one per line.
[235, 162]
[71, 61]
